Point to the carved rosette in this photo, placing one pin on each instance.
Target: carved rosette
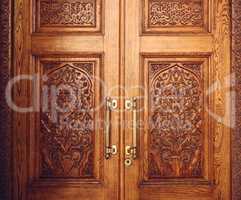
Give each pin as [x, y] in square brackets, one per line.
[176, 118]
[67, 117]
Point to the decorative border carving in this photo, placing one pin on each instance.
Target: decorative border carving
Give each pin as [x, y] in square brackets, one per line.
[5, 113]
[236, 67]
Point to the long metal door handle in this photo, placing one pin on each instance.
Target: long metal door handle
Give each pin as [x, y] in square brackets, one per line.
[134, 128]
[109, 149]
[131, 151]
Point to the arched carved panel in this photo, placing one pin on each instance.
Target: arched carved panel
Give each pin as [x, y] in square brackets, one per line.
[67, 141]
[176, 116]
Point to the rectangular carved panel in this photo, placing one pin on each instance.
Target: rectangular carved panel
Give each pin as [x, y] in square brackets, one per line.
[69, 15]
[176, 105]
[174, 15]
[69, 142]
[177, 134]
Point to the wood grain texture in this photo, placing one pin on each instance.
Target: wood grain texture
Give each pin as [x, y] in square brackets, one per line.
[222, 69]
[236, 67]
[153, 44]
[92, 178]
[20, 96]
[88, 44]
[221, 136]
[217, 132]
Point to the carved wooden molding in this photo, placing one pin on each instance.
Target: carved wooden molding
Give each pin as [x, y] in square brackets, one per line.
[222, 69]
[5, 113]
[236, 67]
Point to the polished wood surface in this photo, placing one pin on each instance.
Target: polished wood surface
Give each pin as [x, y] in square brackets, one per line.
[60, 155]
[133, 46]
[166, 46]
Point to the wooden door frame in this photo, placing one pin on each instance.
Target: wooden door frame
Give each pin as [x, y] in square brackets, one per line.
[6, 13]
[6, 49]
[236, 68]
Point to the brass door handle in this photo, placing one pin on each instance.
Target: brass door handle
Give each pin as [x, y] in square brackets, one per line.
[134, 128]
[131, 151]
[111, 104]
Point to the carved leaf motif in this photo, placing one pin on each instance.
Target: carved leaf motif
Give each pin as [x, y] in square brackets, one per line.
[67, 132]
[176, 107]
[69, 12]
[175, 13]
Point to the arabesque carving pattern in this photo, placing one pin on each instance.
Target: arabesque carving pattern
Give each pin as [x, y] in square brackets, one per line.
[236, 63]
[176, 131]
[5, 114]
[175, 13]
[69, 12]
[67, 132]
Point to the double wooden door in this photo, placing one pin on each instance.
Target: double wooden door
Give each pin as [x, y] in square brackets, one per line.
[121, 99]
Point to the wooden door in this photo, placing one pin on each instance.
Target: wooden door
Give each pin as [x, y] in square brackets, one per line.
[168, 60]
[177, 74]
[67, 52]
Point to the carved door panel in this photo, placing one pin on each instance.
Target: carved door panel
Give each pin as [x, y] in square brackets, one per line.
[177, 53]
[173, 58]
[67, 57]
